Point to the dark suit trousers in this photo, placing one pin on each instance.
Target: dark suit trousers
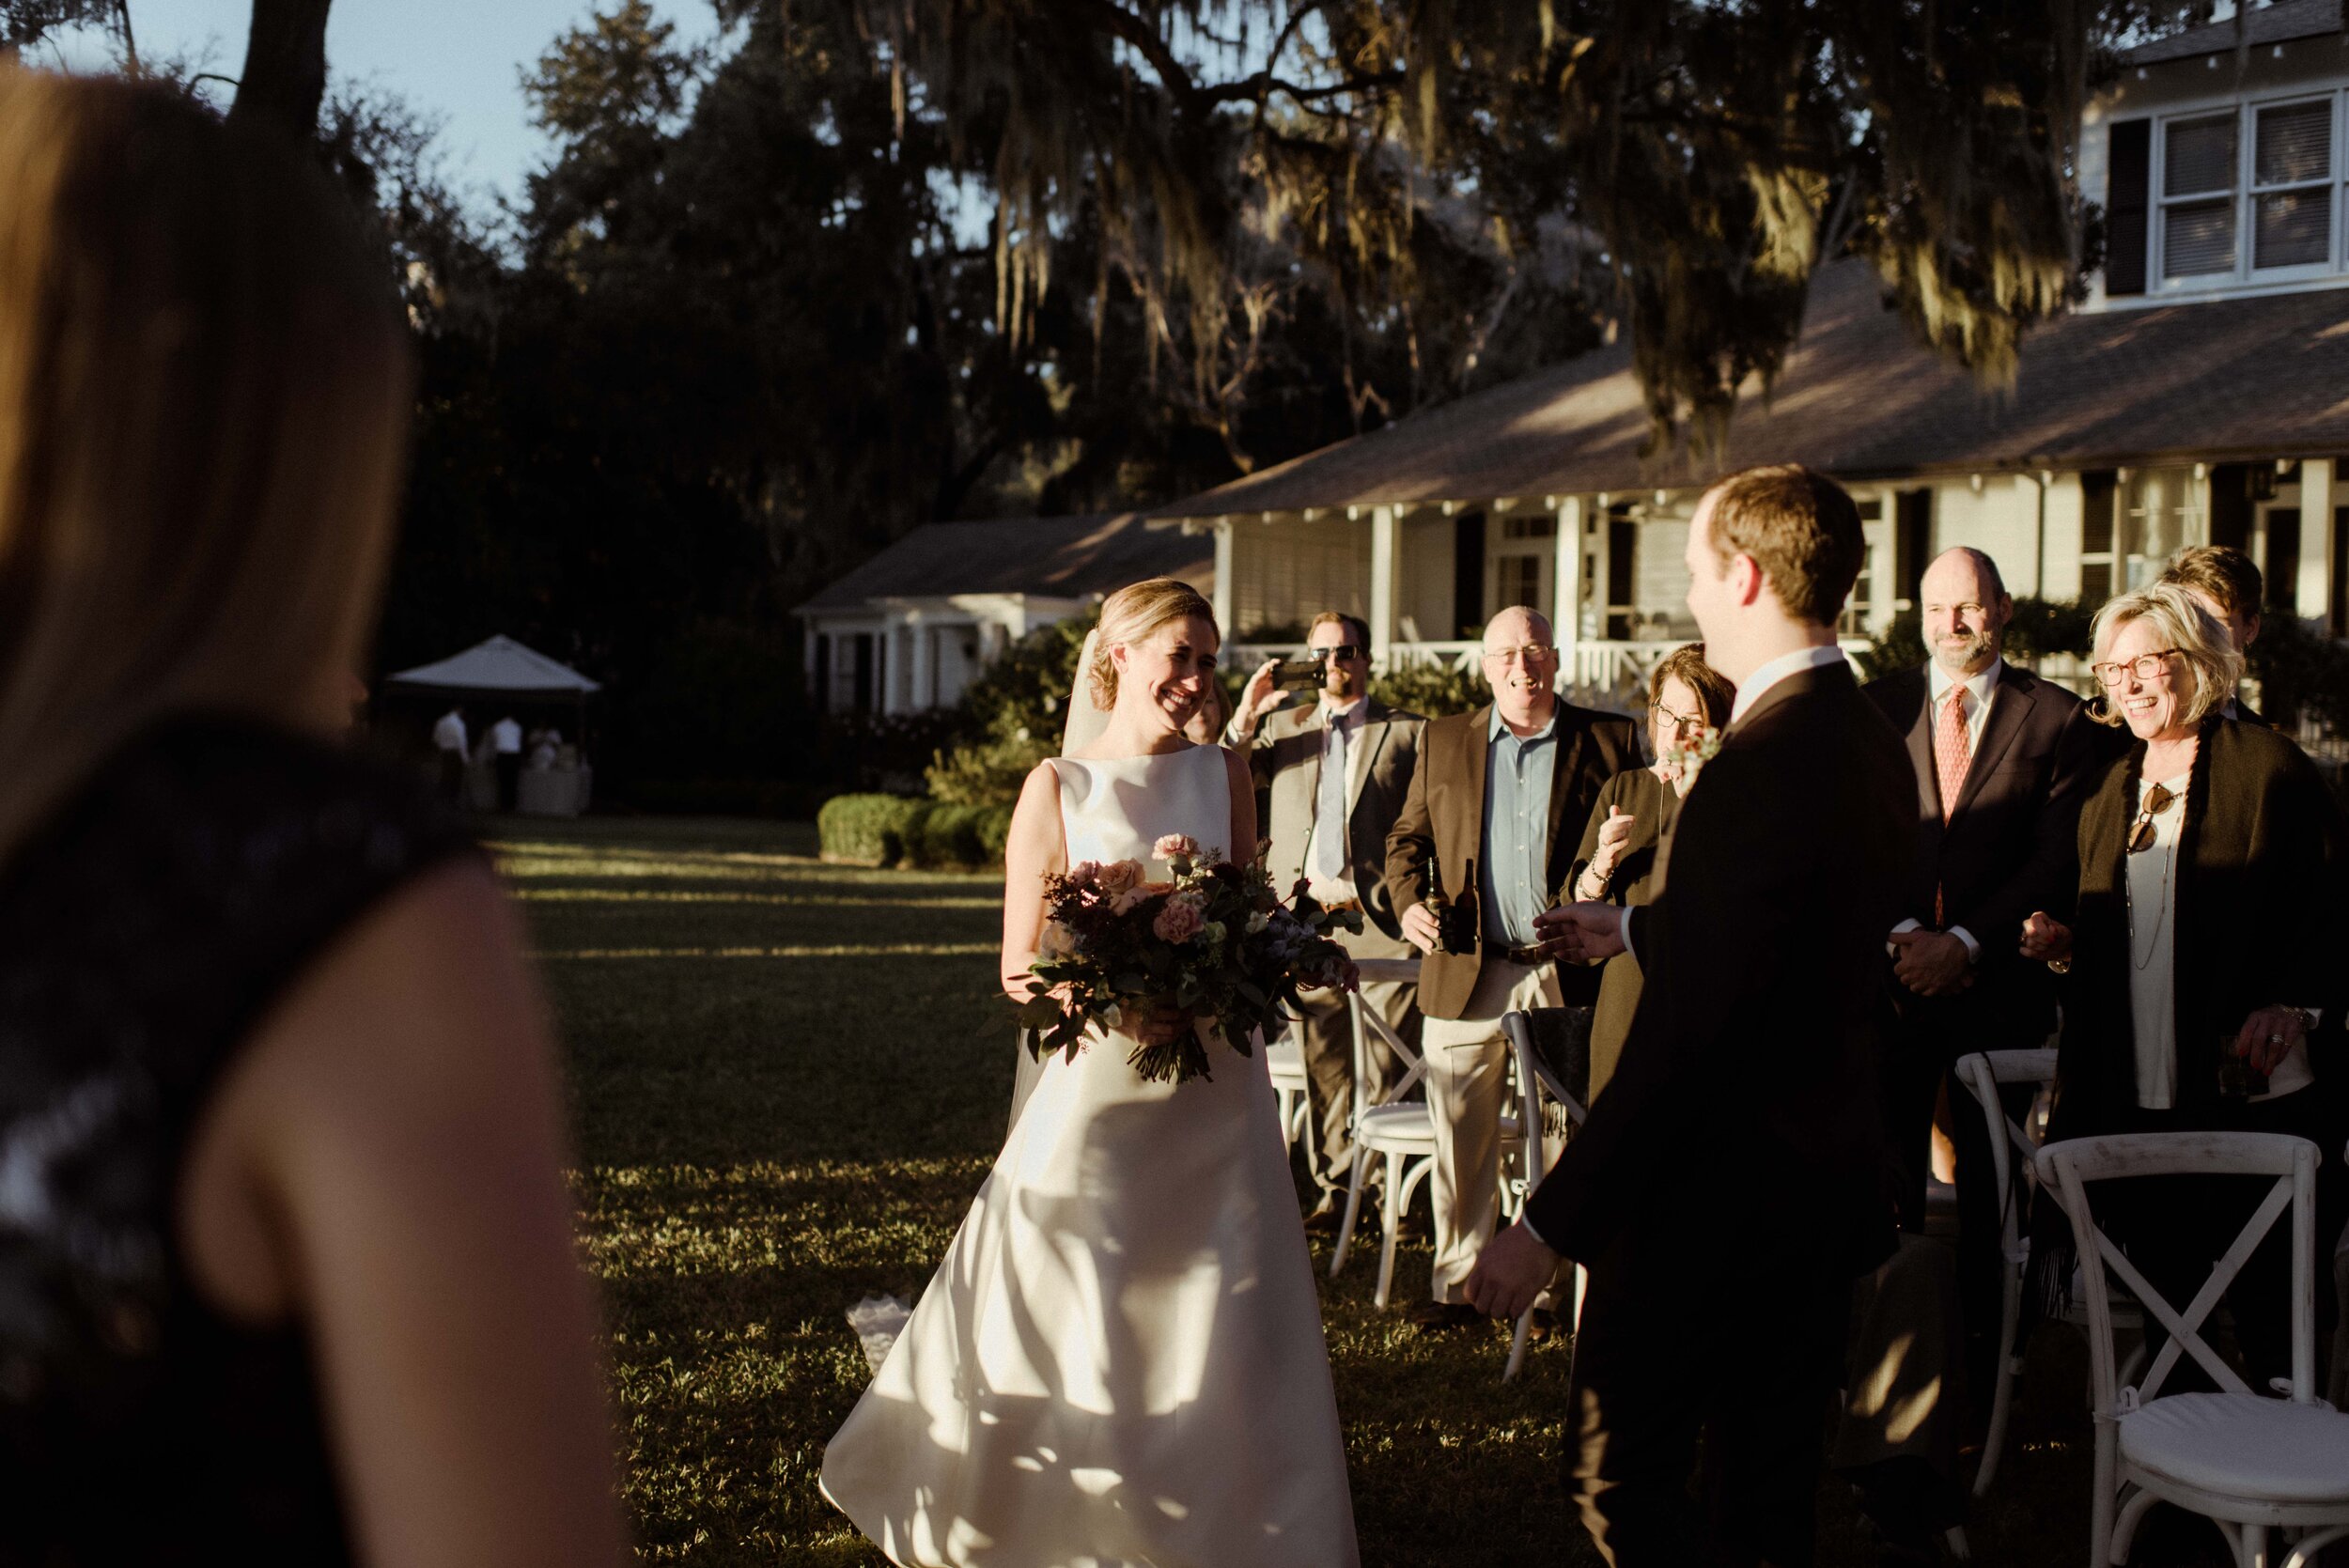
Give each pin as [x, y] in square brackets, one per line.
[1934, 1033]
[1723, 1331]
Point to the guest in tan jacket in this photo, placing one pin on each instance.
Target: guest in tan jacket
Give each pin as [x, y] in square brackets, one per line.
[1332, 777]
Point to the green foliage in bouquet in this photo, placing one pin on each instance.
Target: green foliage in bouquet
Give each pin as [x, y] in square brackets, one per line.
[1212, 943]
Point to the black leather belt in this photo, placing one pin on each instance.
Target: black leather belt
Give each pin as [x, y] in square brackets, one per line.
[1526, 957]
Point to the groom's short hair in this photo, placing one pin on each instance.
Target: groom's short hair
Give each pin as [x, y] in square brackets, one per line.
[1802, 530]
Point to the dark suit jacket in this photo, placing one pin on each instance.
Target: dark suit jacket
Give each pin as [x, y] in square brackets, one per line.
[1749, 1077]
[1287, 761]
[1442, 828]
[2007, 847]
[2263, 918]
[1653, 806]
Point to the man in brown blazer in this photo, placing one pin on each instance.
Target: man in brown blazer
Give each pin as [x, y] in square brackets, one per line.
[1495, 812]
[1328, 827]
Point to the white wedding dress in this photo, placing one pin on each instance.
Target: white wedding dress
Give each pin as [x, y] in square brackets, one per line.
[1120, 1362]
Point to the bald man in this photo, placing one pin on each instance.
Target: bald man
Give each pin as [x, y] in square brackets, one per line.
[1495, 812]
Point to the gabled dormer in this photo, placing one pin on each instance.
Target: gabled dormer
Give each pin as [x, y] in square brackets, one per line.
[2220, 167]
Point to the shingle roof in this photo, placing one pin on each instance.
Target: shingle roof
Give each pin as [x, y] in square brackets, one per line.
[2281, 22]
[1052, 557]
[1858, 398]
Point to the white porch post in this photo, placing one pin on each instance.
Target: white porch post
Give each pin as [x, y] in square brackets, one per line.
[1565, 620]
[1386, 540]
[921, 694]
[2316, 584]
[1223, 576]
[894, 692]
[1602, 568]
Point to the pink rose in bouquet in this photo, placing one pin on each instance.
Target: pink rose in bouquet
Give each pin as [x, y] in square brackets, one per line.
[1116, 877]
[1179, 918]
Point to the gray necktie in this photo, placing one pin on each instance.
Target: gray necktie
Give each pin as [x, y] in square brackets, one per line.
[1329, 810]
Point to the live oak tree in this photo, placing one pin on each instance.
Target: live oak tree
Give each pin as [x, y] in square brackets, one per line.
[284, 78]
[1711, 154]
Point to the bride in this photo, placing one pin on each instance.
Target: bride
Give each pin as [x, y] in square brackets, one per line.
[1120, 1362]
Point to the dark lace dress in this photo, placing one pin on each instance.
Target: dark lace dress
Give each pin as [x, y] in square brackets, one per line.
[144, 931]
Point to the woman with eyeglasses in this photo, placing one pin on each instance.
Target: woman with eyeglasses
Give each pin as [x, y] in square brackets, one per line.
[2204, 950]
[1688, 704]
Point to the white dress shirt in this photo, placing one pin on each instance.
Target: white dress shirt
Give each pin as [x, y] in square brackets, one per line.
[1976, 711]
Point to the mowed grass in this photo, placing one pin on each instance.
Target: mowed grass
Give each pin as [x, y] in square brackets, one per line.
[788, 1079]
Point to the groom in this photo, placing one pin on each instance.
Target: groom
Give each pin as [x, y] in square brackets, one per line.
[1732, 1179]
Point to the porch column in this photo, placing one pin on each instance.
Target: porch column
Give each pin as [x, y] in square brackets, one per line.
[2314, 598]
[1223, 577]
[896, 691]
[921, 694]
[1386, 540]
[1566, 619]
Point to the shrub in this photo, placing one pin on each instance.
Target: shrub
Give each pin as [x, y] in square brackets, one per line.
[1431, 691]
[872, 829]
[988, 773]
[2301, 672]
[949, 837]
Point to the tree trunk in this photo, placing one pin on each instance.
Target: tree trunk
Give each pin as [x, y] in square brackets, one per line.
[285, 66]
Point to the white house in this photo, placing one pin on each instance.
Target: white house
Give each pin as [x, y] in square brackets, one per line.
[2200, 394]
[910, 627]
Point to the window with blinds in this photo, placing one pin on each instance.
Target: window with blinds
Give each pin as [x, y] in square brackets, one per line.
[2292, 190]
[2246, 193]
[2198, 202]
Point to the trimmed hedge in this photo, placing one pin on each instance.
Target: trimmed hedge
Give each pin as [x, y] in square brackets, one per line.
[904, 830]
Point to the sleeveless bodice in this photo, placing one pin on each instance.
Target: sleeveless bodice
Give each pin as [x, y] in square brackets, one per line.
[1115, 810]
[144, 930]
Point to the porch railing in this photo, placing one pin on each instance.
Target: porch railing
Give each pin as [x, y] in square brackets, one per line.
[1614, 669]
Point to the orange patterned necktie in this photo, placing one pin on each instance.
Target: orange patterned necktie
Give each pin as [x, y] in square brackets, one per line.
[1952, 751]
[1952, 754]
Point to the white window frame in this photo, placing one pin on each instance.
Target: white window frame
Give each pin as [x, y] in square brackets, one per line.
[1535, 538]
[2245, 274]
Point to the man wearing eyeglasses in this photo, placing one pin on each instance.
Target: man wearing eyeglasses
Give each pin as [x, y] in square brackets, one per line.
[1332, 777]
[1494, 816]
[2003, 762]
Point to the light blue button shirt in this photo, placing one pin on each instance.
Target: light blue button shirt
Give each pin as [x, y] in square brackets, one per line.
[1518, 772]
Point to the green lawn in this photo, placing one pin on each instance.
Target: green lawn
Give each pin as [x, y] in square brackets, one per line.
[789, 1077]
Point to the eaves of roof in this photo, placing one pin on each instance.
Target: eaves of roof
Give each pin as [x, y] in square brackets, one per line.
[1859, 399]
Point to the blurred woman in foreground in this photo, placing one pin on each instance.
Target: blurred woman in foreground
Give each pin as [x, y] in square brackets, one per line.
[285, 1263]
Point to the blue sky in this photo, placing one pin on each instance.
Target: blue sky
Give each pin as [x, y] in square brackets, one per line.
[458, 60]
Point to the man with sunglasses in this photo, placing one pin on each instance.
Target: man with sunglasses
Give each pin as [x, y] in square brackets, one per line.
[1331, 777]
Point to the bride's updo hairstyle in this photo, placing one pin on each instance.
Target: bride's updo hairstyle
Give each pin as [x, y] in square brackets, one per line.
[204, 378]
[1130, 616]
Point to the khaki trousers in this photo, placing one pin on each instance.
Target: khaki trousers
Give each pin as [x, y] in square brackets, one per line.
[1468, 1079]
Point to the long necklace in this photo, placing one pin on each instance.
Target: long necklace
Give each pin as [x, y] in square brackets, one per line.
[2161, 909]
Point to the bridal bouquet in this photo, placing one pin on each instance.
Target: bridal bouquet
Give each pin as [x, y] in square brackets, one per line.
[1212, 941]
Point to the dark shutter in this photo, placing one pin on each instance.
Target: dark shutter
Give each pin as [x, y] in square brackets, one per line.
[2127, 192]
[2231, 505]
[2283, 557]
[823, 672]
[1467, 574]
[1912, 543]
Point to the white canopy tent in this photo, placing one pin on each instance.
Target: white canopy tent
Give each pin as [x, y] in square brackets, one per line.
[499, 667]
[502, 671]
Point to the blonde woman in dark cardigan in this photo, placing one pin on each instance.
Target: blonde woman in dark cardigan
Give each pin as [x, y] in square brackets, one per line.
[2204, 952]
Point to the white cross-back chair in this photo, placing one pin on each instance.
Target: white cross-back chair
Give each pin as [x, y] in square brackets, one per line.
[1386, 1125]
[2249, 1462]
[1983, 1074]
[1285, 1061]
[1537, 1081]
